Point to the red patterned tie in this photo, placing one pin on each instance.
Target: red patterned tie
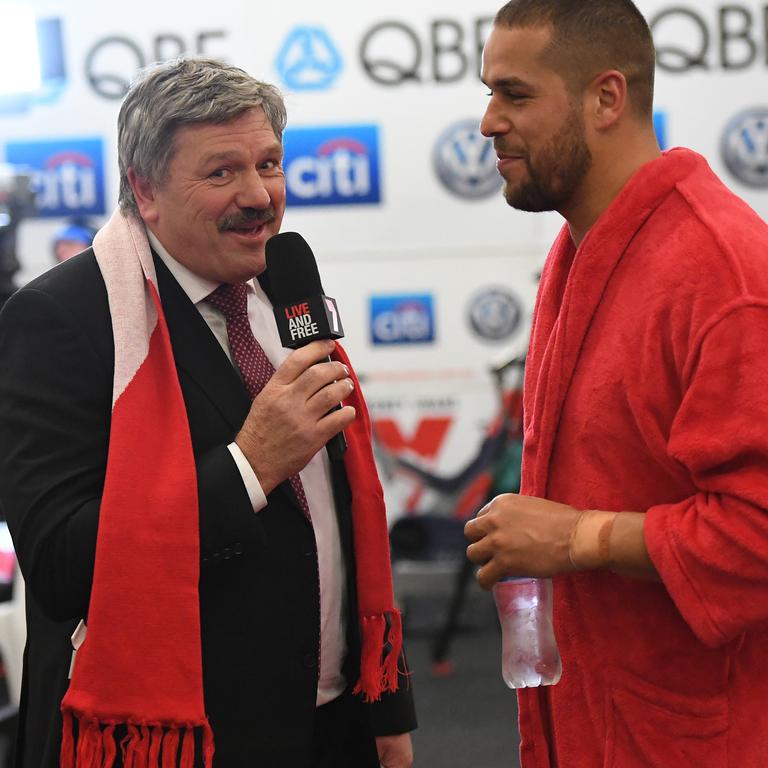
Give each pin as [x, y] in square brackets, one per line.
[249, 357]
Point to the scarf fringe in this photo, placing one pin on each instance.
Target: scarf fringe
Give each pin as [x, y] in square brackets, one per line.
[144, 746]
[67, 756]
[155, 745]
[170, 748]
[187, 750]
[382, 641]
[110, 748]
[89, 746]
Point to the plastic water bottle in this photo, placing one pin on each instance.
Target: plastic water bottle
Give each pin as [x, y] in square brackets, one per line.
[529, 655]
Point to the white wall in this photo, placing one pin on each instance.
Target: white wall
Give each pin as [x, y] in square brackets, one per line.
[420, 239]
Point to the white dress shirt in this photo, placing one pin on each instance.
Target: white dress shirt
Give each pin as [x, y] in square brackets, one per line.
[315, 477]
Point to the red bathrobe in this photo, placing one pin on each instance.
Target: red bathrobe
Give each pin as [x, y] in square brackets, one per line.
[647, 390]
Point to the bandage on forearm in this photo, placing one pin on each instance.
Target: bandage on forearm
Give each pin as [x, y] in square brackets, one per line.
[589, 547]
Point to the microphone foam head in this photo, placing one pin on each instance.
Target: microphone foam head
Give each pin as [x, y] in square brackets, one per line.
[291, 268]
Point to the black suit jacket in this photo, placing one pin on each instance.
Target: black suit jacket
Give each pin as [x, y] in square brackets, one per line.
[258, 583]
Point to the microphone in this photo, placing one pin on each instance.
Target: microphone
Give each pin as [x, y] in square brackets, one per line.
[303, 312]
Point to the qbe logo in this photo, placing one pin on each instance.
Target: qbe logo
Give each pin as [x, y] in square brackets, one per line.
[67, 175]
[336, 165]
[404, 319]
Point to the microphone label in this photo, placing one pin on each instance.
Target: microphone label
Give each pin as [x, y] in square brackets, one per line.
[304, 321]
[300, 323]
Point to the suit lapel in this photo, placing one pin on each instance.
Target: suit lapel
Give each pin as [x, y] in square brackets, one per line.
[200, 355]
[198, 352]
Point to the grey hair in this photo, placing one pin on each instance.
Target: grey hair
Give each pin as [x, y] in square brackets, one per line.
[185, 91]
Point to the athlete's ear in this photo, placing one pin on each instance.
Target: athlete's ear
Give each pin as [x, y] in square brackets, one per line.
[607, 99]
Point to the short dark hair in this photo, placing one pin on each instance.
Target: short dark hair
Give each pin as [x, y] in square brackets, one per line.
[186, 91]
[589, 37]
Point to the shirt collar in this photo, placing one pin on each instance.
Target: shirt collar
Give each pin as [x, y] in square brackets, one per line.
[197, 288]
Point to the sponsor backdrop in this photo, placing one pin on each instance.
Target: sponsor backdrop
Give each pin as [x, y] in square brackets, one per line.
[388, 177]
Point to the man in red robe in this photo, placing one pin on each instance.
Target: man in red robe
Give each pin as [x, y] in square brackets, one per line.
[645, 471]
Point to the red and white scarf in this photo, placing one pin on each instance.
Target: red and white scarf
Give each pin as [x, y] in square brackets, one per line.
[140, 665]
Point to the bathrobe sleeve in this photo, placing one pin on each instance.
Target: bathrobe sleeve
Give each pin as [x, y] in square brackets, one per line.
[711, 549]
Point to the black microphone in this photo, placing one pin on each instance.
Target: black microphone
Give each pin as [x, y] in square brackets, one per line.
[303, 312]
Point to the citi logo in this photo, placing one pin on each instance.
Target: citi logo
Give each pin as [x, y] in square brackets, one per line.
[68, 181]
[402, 319]
[67, 175]
[332, 166]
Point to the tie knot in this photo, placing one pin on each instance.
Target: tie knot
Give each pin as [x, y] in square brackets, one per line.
[230, 299]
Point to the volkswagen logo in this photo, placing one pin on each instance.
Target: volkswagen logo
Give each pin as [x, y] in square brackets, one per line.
[465, 161]
[744, 147]
[494, 314]
[308, 60]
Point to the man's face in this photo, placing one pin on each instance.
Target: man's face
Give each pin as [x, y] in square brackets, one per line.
[223, 198]
[536, 126]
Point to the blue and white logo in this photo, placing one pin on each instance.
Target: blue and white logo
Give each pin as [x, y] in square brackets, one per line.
[744, 147]
[336, 165]
[465, 161]
[494, 314]
[31, 60]
[308, 60]
[404, 319]
[67, 175]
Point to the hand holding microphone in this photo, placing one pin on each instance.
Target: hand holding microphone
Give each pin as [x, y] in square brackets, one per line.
[303, 312]
[298, 411]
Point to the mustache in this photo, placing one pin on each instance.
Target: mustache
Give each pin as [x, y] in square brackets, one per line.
[248, 217]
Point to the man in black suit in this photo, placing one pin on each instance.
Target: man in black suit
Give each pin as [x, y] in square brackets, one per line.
[200, 161]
